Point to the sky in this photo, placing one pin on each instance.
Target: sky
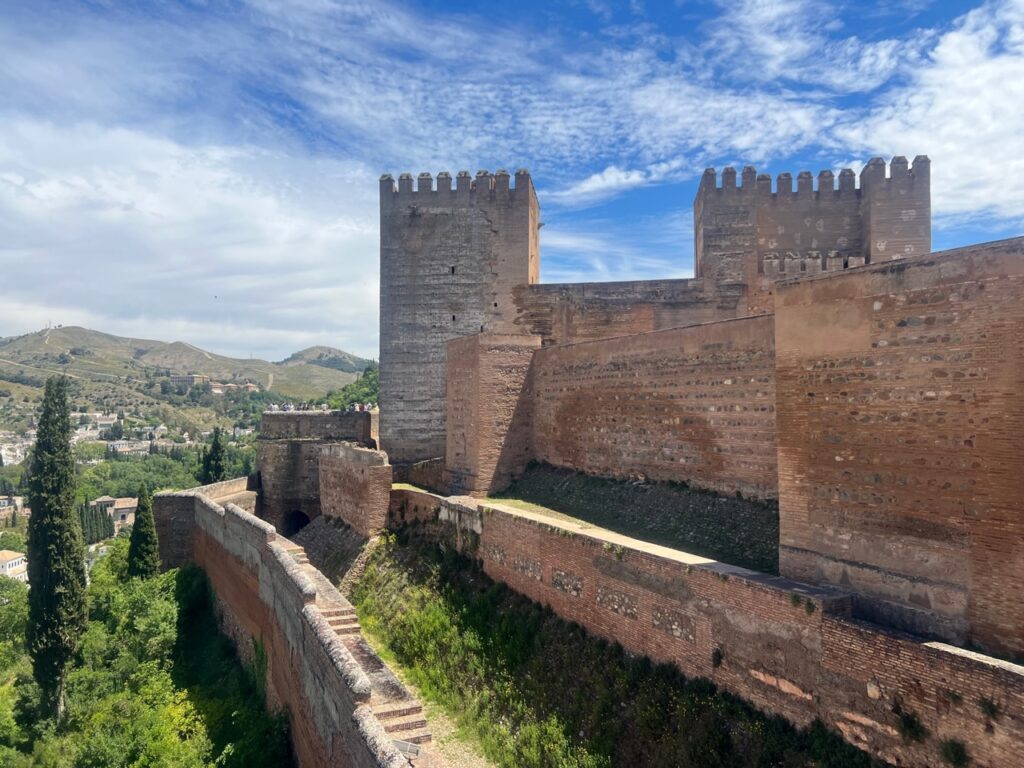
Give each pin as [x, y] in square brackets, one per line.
[207, 171]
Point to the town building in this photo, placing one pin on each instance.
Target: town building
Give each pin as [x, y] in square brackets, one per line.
[14, 565]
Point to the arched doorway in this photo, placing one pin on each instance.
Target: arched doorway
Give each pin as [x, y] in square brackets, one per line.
[293, 522]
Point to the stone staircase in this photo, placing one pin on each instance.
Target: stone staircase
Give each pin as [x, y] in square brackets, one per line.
[403, 720]
[398, 712]
[298, 553]
[342, 619]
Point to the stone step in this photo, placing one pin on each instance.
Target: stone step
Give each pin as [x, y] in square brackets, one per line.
[331, 611]
[399, 725]
[347, 630]
[396, 709]
[337, 626]
[419, 736]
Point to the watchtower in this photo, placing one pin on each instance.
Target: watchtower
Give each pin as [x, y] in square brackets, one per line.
[450, 257]
[751, 234]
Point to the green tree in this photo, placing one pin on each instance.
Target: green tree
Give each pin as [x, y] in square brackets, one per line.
[213, 470]
[143, 550]
[56, 556]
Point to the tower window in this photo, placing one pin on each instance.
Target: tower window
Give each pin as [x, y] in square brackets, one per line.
[452, 269]
[453, 318]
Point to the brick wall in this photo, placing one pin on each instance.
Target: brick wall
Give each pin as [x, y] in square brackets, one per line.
[901, 410]
[787, 647]
[489, 411]
[695, 404]
[288, 459]
[317, 425]
[751, 235]
[355, 485]
[449, 259]
[263, 595]
[562, 313]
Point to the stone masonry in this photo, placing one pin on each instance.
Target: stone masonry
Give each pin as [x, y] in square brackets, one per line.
[355, 484]
[450, 258]
[288, 461]
[901, 411]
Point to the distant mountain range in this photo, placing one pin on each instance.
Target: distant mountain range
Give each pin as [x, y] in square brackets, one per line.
[97, 358]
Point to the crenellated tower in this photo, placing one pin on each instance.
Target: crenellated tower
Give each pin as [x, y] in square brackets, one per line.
[748, 233]
[450, 256]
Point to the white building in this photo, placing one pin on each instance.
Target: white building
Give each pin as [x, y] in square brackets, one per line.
[13, 565]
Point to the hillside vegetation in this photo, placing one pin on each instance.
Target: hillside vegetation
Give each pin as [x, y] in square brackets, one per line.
[154, 684]
[539, 692]
[120, 373]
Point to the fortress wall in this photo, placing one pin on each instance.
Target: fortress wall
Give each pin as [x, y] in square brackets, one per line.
[901, 410]
[316, 425]
[289, 472]
[770, 647]
[288, 458]
[355, 485]
[263, 596]
[449, 260]
[692, 404]
[562, 313]
[753, 234]
[489, 411]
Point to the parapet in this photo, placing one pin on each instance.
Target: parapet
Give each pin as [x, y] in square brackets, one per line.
[900, 173]
[316, 425]
[484, 186]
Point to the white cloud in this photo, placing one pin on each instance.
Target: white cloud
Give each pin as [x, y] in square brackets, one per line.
[152, 157]
[241, 248]
[799, 41]
[962, 107]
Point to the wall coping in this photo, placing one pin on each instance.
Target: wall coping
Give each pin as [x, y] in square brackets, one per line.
[1010, 246]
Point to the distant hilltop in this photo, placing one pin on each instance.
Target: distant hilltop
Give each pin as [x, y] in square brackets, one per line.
[102, 357]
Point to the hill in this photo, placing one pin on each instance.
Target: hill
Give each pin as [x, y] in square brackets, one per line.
[328, 357]
[115, 372]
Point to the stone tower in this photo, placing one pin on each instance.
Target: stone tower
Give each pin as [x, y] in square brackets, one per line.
[749, 234]
[449, 260]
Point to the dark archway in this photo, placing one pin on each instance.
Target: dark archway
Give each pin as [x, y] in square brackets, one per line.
[293, 522]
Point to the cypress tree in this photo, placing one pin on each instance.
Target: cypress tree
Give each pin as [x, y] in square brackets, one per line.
[56, 556]
[213, 470]
[143, 550]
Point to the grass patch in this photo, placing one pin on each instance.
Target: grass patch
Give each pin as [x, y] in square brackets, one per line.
[736, 531]
[536, 691]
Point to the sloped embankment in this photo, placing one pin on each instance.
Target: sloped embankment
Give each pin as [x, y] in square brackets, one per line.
[737, 531]
[538, 691]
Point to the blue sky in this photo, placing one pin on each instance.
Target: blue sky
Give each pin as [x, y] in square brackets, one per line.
[207, 171]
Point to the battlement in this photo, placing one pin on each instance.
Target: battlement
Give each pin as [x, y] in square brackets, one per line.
[898, 173]
[484, 186]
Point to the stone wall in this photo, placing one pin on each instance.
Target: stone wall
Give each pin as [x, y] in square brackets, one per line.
[489, 411]
[288, 460]
[692, 404]
[317, 425]
[355, 486]
[787, 647]
[750, 235]
[265, 597]
[901, 410]
[449, 260]
[562, 313]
